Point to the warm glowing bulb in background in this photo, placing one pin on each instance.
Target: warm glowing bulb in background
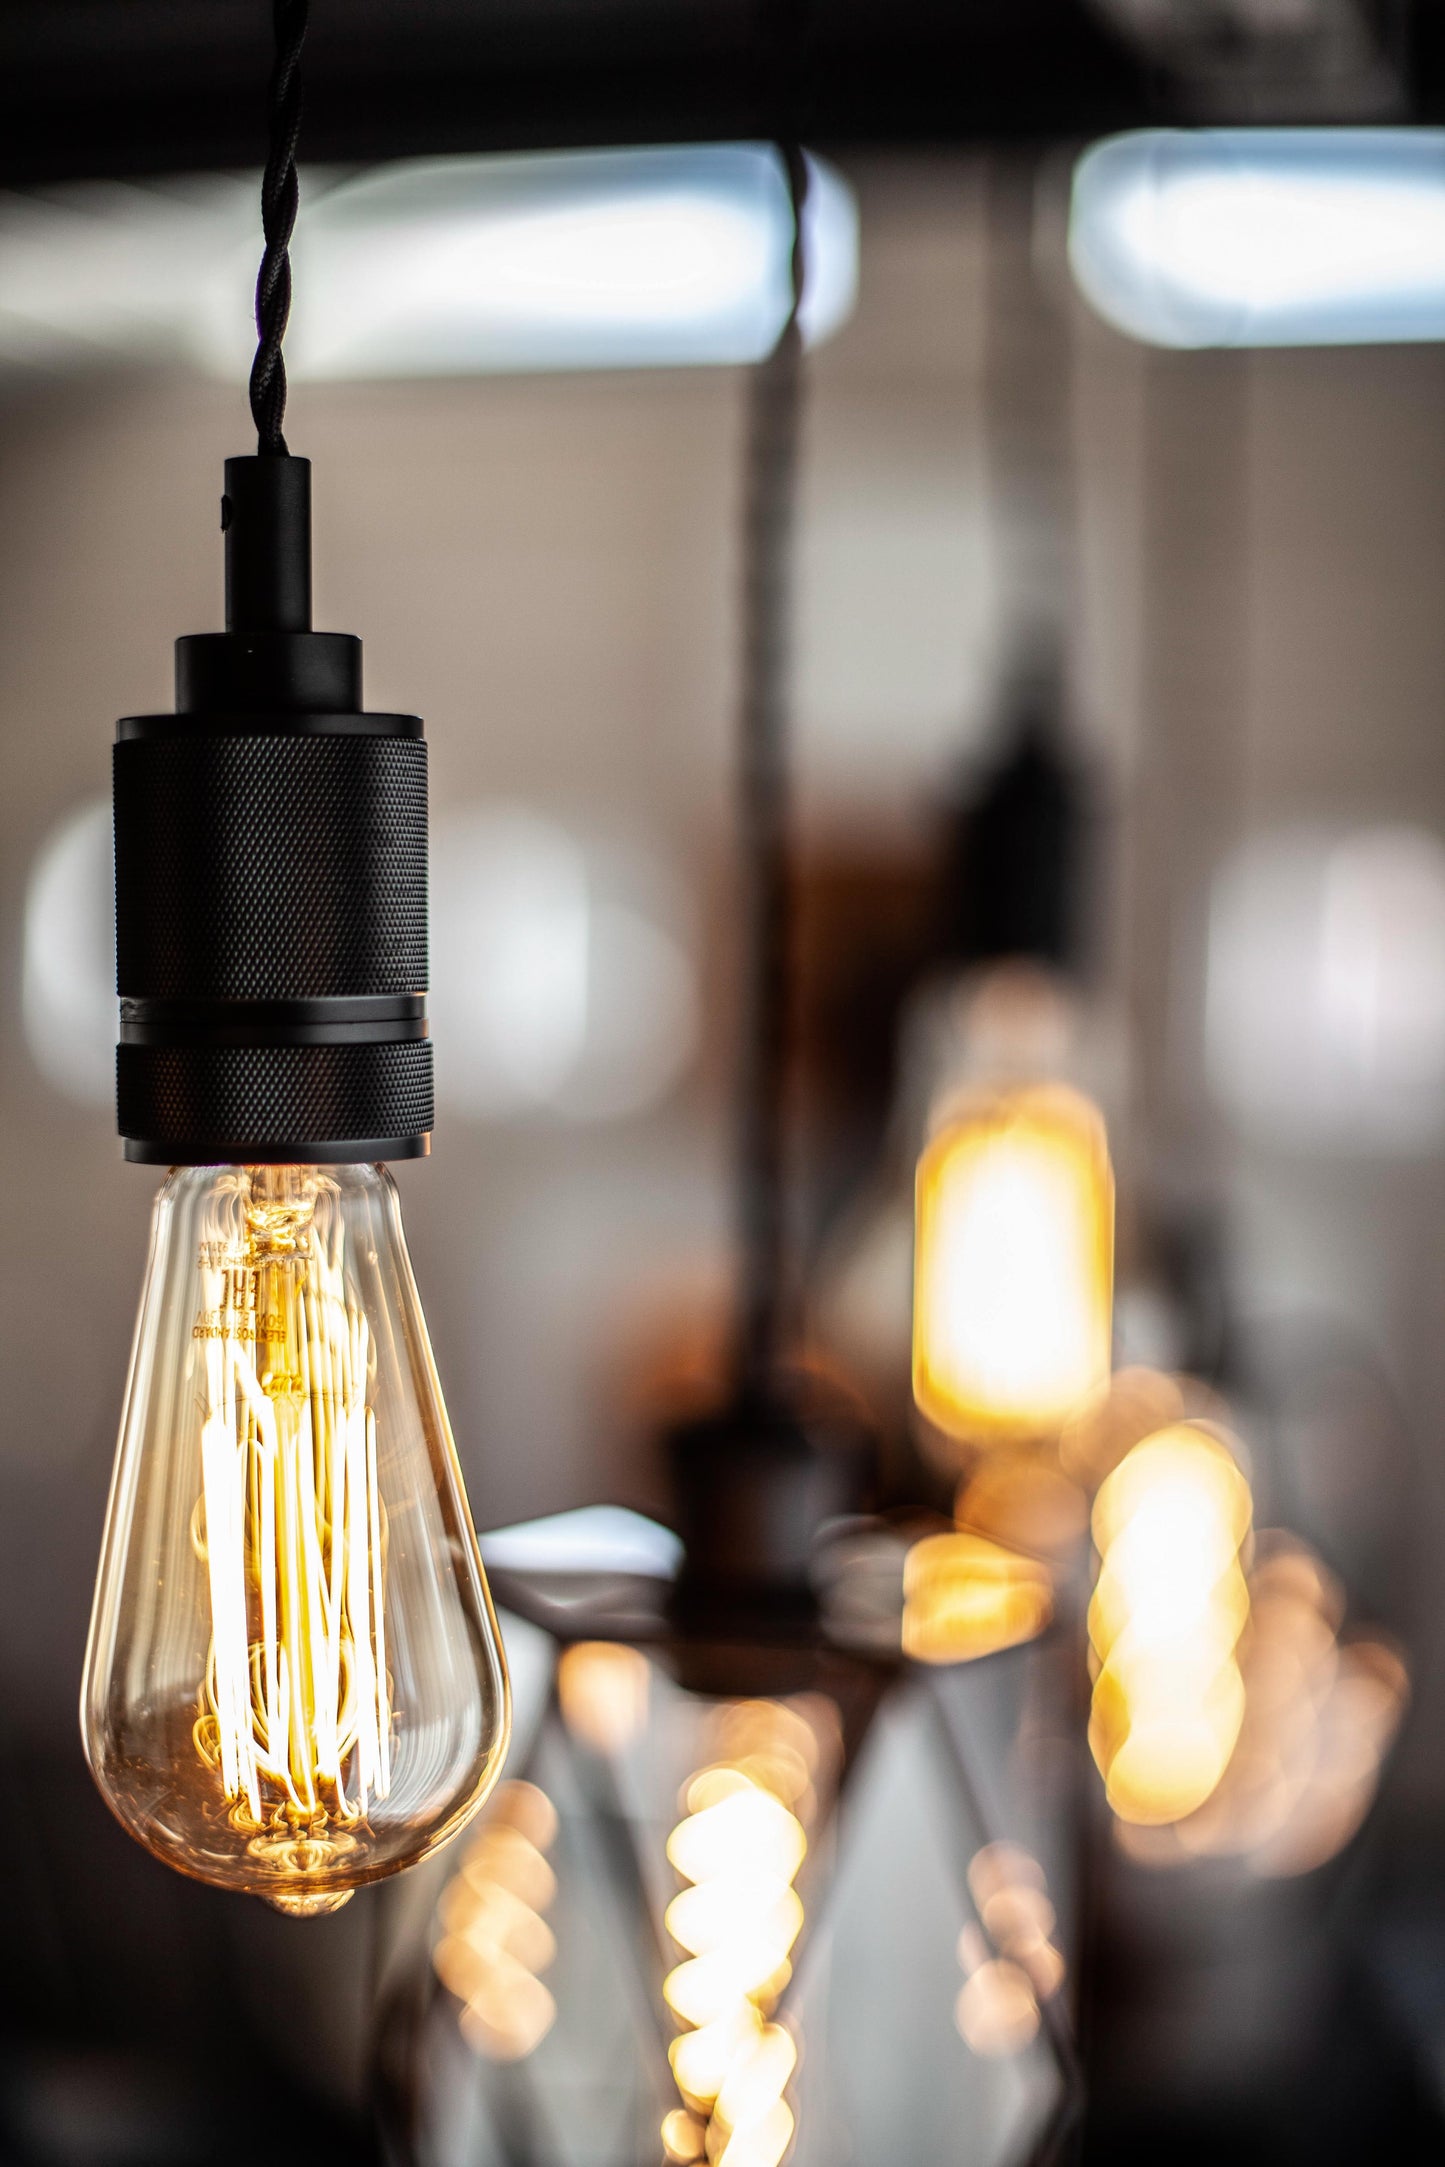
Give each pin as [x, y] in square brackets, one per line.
[1320, 1715]
[495, 1940]
[998, 2010]
[294, 1683]
[603, 1688]
[1013, 1265]
[964, 1596]
[1169, 1606]
[739, 1846]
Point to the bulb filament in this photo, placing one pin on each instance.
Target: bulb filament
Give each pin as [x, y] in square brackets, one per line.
[295, 1711]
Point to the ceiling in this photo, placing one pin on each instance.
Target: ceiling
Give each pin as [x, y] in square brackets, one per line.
[95, 87]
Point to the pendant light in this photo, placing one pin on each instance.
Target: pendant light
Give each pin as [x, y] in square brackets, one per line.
[705, 1719]
[294, 1683]
[1170, 1606]
[758, 1474]
[1013, 1272]
[1014, 1213]
[780, 1453]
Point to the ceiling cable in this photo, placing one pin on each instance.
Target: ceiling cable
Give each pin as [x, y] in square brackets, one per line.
[765, 819]
[279, 196]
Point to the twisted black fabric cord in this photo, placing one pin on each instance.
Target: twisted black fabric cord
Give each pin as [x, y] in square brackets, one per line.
[765, 821]
[278, 218]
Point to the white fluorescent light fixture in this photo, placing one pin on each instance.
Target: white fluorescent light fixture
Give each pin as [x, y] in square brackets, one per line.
[1264, 236]
[618, 259]
[653, 258]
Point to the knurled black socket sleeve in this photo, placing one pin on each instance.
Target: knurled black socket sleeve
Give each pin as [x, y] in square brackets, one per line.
[271, 881]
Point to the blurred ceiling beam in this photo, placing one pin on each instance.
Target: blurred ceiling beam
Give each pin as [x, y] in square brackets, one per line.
[1275, 60]
[93, 87]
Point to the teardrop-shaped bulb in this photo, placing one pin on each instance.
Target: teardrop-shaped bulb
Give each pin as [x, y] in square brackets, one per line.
[294, 1682]
[1013, 1272]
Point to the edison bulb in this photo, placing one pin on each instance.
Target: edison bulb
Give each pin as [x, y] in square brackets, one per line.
[1013, 1265]
[294, 1682]
[1169, 1608]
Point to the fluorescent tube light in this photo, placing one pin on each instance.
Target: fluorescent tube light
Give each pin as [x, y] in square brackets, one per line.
[1264, 236]
[620, 259]
[450, 267]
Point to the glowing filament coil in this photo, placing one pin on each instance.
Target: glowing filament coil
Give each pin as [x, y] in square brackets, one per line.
[740, 1847]
[296, 1713]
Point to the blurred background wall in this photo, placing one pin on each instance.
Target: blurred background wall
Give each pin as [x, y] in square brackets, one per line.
[1241, 558]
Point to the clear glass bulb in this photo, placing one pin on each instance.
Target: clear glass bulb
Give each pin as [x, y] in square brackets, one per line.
[294, 1682]
[1013, 1264]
